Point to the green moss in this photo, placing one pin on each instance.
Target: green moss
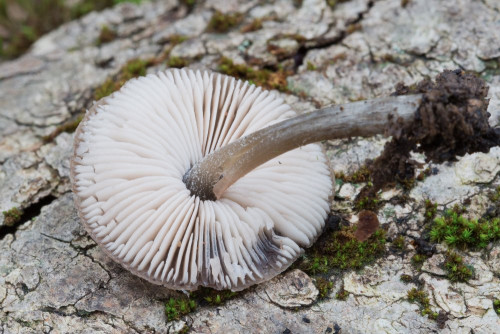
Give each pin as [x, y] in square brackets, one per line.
[399, 242]
[175, 308]
[496, 305]
[12, 216]
[342, 295]
[189, 3]
[457, 231]
[132, 69]
[495, 196]
[221, 22]
[317, 265]
[106, 35]
[367, 203]
[172, 41]
[422, 299]
[407, 183]
[241, 71]
[265, 78]
[418, 260]
[213, 297]
[184, 330]
[430, 210]
[405, 278]
[340, 250]
[105, 89]
[333, 3]
[131, 1]
[367, 199]
[177, 39]
[177, 62]
[36, 18]
[324, 287]
[457, 270]
[311, 66]
[252, 26]
[363, 174]
[68, 126]
[423, 174]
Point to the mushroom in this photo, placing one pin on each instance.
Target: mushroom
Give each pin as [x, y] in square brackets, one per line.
[130, 173]
[191, 178]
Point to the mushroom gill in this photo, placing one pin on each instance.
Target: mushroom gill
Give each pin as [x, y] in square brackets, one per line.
[131, 152]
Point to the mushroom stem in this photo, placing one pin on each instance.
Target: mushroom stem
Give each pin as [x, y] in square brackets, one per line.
[216, 172]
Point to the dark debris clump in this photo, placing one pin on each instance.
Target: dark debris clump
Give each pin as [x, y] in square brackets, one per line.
[451, 121]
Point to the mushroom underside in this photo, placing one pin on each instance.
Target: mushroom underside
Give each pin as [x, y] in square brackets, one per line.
[131, 152]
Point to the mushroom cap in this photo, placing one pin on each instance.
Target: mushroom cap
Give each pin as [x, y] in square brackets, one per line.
[131, 152]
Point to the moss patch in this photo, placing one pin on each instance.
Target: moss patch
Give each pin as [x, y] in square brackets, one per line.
[342, 295]
[399, 243]
[12, 216]
[407, 183]
[106, 35]
[368, 197]
[311, 66]
[137, 67]
[361, 175]
[68, 126]
[324, 287]
[213, 297]
[35, 18]
[252, 26]
[496, 305]
[221, 22]
[132, 69]
[177, 62]
[175, 308]
[176, 39]
[340, 250]
[430, 210]
[457, 270]
[457, 231]
[106, 88]
[422, 299]
[495, 196]
[263, 77]
[333, 3]
[423, 174]
[369, 202]
[189, 3]
[418, 260]
[172, 61]
[405, 278]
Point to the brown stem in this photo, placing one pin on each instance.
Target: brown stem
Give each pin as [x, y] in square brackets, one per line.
[216, 172]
